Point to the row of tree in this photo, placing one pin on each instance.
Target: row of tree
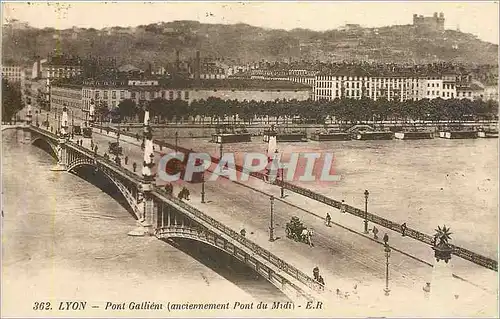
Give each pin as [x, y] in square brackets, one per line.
[11, 99]
[345, 110]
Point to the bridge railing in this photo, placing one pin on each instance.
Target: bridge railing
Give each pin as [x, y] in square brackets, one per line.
[105, 161]
[265, 254]
[412, 233]
[42, 131]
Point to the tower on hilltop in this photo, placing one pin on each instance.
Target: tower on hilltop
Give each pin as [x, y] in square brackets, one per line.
[433, 23]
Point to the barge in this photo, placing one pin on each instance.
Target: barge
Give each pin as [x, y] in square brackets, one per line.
[413, 135]
[458, 134]
[231, 137]
[367, 135]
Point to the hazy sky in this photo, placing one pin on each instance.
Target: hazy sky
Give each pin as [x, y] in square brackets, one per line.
[478, 18]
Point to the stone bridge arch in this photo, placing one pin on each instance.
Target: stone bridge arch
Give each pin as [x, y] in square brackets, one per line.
[131, 198]
[51, 148]
[174, 223]
[212, 240]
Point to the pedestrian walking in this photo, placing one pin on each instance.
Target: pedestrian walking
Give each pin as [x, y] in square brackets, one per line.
[328, 219]
[316, 273]
[375, 232]
[134, 166]
[126, 160]
[342, 207]
[403, 229]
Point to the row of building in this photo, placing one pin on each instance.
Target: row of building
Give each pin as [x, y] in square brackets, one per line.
[111, 92]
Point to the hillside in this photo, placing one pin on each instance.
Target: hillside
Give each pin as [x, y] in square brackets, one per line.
[244, 43]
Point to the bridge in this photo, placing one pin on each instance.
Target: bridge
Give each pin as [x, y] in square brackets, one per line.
[160, 214]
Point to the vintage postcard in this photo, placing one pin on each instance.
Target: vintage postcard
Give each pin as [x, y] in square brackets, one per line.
[249, 159]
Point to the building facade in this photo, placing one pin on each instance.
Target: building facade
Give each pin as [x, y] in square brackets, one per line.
[390, 87]
[13, 73]
[70, 96]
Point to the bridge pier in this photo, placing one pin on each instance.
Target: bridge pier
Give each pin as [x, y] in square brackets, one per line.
[62, 156]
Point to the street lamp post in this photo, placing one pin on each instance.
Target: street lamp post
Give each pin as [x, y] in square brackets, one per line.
[47, 122]
[220, 148]
[366, 210]
[387, 251]
[176, 139]
[271, 227]
[202, 188]
[36, 112]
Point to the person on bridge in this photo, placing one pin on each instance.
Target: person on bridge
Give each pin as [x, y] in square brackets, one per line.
[126, 160]
[342, 207]
[322, 282]
[328, 219]
[316, 273]
[134, 166]
[375, 232]
[403, 229]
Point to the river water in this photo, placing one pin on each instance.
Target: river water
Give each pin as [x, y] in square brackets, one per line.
[65, 239]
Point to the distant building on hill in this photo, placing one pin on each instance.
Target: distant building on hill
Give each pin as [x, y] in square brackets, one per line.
[434, 23]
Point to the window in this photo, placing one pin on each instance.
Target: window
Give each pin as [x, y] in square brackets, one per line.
[122, 94]
[113, 103]
[132, 95]
[105, 95]
[179, 94]
[96, 94]
[143, 95]
[171, 95]
[151, 95]
[162, 94]
[113, 94]
[186, 95]
[470, 93]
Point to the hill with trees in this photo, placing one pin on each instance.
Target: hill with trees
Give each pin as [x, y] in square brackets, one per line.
[157, 43]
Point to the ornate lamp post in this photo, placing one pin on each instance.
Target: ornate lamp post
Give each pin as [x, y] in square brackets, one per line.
[220, 148]
[37, 125]
[47, 121]
[271, 227]
[387, 251]
[366, 210]
[176, 139]
[202, 188]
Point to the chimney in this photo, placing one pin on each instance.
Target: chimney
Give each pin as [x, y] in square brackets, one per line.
[177, 61]
[197, 67]
[38, 68]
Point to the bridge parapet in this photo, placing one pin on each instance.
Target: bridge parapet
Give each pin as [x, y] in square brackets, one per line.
[255, 249]
[286, 286]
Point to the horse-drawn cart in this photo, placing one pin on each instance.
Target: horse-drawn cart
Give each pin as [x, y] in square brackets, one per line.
[297, 231]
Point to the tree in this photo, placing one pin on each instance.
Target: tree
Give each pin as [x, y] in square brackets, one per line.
[11, 99]
[127, 108]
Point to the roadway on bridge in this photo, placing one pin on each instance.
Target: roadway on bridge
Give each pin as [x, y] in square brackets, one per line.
[344, 258]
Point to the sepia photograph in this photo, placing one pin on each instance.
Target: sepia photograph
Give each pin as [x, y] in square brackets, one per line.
[260, 159]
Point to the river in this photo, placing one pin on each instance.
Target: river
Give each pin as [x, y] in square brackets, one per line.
[63, 238]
